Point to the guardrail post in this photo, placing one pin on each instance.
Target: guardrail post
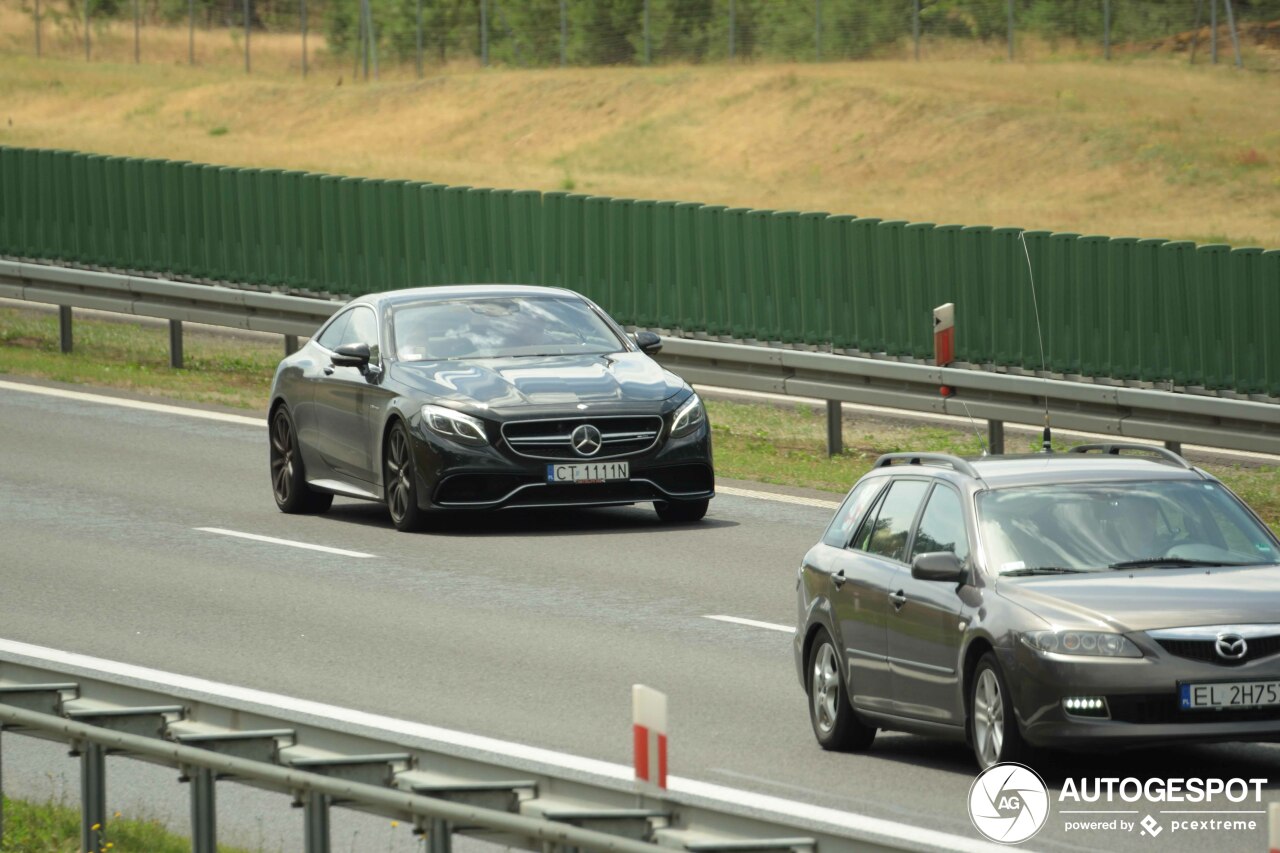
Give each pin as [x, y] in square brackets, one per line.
[835, 428]
[290, 344]
[1, 788]
[995, 437]
[440, 837]
[317, 818]
[175, 343]
[93, 795]
[204, 812]
[64, 328]
[1175, 446]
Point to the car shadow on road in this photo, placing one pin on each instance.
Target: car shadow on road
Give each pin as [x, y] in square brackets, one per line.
[558, 521]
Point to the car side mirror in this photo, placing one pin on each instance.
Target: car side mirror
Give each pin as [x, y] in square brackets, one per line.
[648, 342]
[938, 566]
[351, 355]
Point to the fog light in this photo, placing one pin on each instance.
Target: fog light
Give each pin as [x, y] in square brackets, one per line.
[1086, 706]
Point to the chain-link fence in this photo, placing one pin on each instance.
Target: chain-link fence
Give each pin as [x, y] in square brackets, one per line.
[376, 36]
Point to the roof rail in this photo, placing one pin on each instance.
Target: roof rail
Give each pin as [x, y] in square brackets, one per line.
[1114, 449]
[947, 459]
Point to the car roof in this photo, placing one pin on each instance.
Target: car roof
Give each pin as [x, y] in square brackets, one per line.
[456, 291]
[1034, 469]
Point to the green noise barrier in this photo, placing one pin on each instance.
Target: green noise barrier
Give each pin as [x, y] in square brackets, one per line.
[1126, 309]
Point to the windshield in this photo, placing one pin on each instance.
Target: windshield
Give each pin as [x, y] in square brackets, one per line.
[1103, 527]
[500, 327]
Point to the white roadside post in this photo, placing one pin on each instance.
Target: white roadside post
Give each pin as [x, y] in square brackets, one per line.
[649, 728]
[1273, 830]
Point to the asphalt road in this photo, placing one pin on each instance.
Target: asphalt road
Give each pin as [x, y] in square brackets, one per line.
[528, 626]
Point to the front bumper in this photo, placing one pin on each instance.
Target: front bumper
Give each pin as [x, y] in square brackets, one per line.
[1141, 696]
[457, 477]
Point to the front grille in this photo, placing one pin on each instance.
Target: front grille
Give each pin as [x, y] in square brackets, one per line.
[622, 435]
[1205, 651]
[1165, 708]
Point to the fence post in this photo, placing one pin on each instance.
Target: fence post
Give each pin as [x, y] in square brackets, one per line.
[37, 14]
[1009, 6]
[317, 819]
[290, 344]
[93, 795]
[1, 789]
[86, 30]
[1235, 37]
[191, 32]
[995, 437]
[817, 30]
[304, 40]
[1106, 30]
[733, 27]
[484, 33]
[65, 341]
[246, 35]
[175, 344]
[647, 54]
[1195, 32]
[440, 837]
[835, 428]
[204, 813]
[137, 31]
[1175, 446]
[1213, 31]
[915, 27]
[419, 34]
[564, 34]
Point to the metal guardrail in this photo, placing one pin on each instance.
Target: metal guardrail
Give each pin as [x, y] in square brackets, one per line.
[441, 788]
[1107, 409]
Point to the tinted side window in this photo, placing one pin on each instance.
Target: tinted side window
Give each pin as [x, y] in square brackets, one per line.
[331, 338]
[850, 513]
[888, 535]
[363, 329]
[942, 525]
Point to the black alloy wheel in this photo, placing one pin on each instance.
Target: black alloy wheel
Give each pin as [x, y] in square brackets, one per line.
[400, 481]
[288, 483]
[681, 512]
[835, 724]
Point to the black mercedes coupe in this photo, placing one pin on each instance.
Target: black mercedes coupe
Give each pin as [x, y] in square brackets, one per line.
[478, 397]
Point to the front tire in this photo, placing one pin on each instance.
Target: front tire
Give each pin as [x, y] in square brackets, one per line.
[681, 512]
[400, 481]
[993, 726]
[288, 481]
[835, 724]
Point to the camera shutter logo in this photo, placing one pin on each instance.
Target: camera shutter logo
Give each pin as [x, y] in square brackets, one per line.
[586, 440]
[1231, 646]
[1008, 803]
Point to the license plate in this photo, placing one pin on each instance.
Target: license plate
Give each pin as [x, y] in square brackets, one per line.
[1229, 694]
[589, 472]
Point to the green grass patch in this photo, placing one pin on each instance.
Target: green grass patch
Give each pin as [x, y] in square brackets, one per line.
[55, 828]
[783, 445]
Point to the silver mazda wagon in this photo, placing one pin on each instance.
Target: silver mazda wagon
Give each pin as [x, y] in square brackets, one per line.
[1081, 599]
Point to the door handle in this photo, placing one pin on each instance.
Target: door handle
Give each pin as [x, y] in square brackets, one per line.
[838, 579]
[898, 598]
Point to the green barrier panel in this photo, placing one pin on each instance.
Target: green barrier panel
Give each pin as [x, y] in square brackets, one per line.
[1038, 253]
[116, 224]
[288, 246]
[1248, 324]
[761, 322]
[974, 318]
[369, 274]
[232, 259]
[1268, 307]
[94, 214]
[211, 248]
[733, 235]
[41, 201]
[1214, 298]
[28, 221]
[499, 258]
[351, 231]
[837, 280]
[781, 293]
[249, 187]
[452, 219]
[58, 213]
[153, 254]
[709, 250]
[134, 244]
[861, 252]
[812, 316]
[1056, 291]
[1177, 306]
[475, 233]
[620, 288]
[78, 220]
[941, 267]
[641, 293]
[526, 230]
[310, 273]
[552, 240]
[917, 298]
[10, 202]
[886, 265]
[661, 261]
[193, 209]
[594, 281]
[99, 207]
[173, 188]
[1141, 354]
[689, 310]
[269, 251]
[333, 261]
[395, 267]
[1006, 286]
[1092, 304]
[1122, 327]
[430, 201]
[412, 236]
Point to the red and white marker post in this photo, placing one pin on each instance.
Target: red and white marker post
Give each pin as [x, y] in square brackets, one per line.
[944, 339]
[649, 727]
[1273, 830]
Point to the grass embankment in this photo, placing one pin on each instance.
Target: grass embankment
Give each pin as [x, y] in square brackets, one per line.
[55, 828]
[1139, 146]
[758, 442]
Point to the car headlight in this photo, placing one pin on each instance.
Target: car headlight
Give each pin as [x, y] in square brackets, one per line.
[688, 417]
[1084, 643]
[454, 425]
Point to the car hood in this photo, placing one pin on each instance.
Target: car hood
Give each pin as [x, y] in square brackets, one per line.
[1147, 599]
[500, 383]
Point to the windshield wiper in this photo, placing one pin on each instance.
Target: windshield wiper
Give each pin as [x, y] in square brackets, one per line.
[1172, 563]
[1042, 570]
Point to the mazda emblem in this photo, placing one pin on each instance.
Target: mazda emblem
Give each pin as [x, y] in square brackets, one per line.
[1231, 646]
[586, 440]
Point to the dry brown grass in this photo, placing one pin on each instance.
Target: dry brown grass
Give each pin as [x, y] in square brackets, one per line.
[1144, 147]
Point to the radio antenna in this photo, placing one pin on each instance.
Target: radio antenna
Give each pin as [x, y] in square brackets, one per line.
[1044, 369]
[982, 445]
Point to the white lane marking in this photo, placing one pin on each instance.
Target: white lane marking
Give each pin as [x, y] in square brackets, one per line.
[774, 496]
[863, 824]
[81, 396]
[754, 623]
[291, 543]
